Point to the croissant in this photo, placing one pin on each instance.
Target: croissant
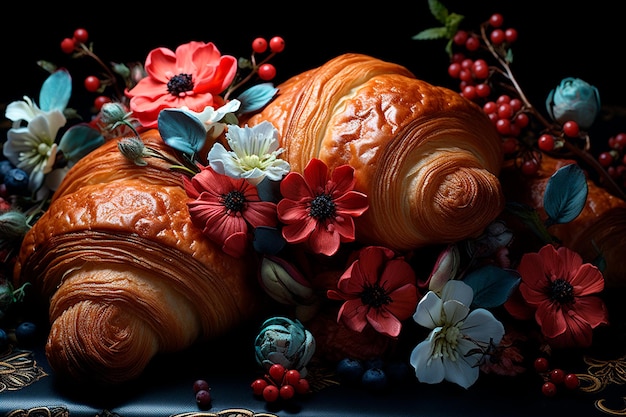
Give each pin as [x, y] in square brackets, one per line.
[598, 231]
[125, 273]
[427, 158]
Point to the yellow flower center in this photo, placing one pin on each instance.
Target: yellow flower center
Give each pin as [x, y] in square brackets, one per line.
[250, 162]
[446, 342]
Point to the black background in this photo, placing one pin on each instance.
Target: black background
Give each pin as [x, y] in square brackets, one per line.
[556, 38]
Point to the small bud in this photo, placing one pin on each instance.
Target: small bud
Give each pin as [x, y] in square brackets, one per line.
[112, 113]
[445, 268]
[13, 225]
[133, 149]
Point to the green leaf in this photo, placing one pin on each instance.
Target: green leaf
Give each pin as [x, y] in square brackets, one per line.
[56, 91]
[432, 33]
[492, 285]
[438, 10]
[566, 194]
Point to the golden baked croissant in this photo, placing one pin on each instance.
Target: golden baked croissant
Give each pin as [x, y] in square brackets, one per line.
[427, 158]
[598, 231]
[125, 273]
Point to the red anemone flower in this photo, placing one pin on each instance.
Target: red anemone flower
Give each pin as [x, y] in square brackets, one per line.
[193, 76]
[379, 289]
[558, 289]
[318, 210]
[226, 207]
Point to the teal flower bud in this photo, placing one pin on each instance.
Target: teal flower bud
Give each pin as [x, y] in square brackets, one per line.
[13, 225]
[133, 149]
[285, 342]
[575, 100]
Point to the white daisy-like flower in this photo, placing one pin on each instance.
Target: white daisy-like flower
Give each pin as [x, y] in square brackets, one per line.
[459, 338]
[32, 148]
[23, 111]
[254, 154]
[210, 117]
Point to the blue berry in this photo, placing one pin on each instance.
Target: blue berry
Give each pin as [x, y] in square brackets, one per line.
[350, 370]
[26, 333]
[4, 341]
[5, 166]
[375, 363]
[16, 181]
[374, 379]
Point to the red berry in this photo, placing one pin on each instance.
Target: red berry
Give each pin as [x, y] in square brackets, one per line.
[302, 386]
[490, 107]
[469, 92]
[546, 143]
[277, 372]
[530, 167]
[100, 101]
[557, 376]
[287, 392]
[203, 398]
[277, 44]
[472, 43]
[510, 35]
[267, 72]
[620, 140]
[81, 35]
[200, 385]
[504, 98]
[504, 127]
[505, 111]
[68, 45]
[483, 90]
[258, 385]
[270, 393]
[496, 20]
[497, 36]
[571, 129]
[454, 70]
[259, 45]
[292, 377]
[521, 119]
[509, 145]
[605, 159]
[92, 83]
[541, 364]
[571, 381]
[548, 389]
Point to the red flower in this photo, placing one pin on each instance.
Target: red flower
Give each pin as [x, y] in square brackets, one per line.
[557, 288]
[225, 208]
[318, 210]
[193, 76]
[379, 289]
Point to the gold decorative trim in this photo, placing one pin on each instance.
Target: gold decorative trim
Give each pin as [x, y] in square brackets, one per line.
[600, 374]
[40, 412]
[233, 412]
[18, 369]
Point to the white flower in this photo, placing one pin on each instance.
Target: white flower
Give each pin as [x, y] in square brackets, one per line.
[32, 147]
[26, 111]
[459, 339]
[210, 117]
[254, 154]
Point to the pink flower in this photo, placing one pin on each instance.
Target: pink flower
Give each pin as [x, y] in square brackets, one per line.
[379, 289]
[558, 289]
[318, 210]
[193, 76]
[225, 208]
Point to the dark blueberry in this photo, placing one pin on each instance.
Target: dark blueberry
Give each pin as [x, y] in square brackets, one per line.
[16, 181]
[5, 166]
[4, 341]
[375, 363]
[26, 334]
[374, 379]
[350, 370]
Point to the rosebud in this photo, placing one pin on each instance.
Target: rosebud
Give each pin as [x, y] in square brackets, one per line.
[445, 268]
[575, 100]
[13, 225]
[285, 342]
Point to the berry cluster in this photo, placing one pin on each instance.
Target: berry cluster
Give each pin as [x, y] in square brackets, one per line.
[24, 335]
[552, 378]
[374, 374]
[614, 160]
[280, 383]
[202, 391]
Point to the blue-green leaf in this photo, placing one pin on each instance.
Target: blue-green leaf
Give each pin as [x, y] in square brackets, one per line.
[566, 194]
[492, 285]
[181, 130]
[78, 141]
[56, 91]
[256, 97]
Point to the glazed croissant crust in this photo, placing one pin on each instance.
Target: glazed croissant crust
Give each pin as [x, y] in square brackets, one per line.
[125, 273]
[427, 158]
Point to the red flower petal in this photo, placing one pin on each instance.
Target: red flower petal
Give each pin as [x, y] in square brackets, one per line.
[587, 280]
[324, 240]
[384, 322]
[294, 187]
[353, 314]
[352, 203]
[236, 244]
[316, 175]
[343, 179]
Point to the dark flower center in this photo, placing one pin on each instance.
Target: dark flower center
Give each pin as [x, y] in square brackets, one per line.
[179, 84]
[322, 207]
[374, 296]
[562, 291]
[234, 201]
